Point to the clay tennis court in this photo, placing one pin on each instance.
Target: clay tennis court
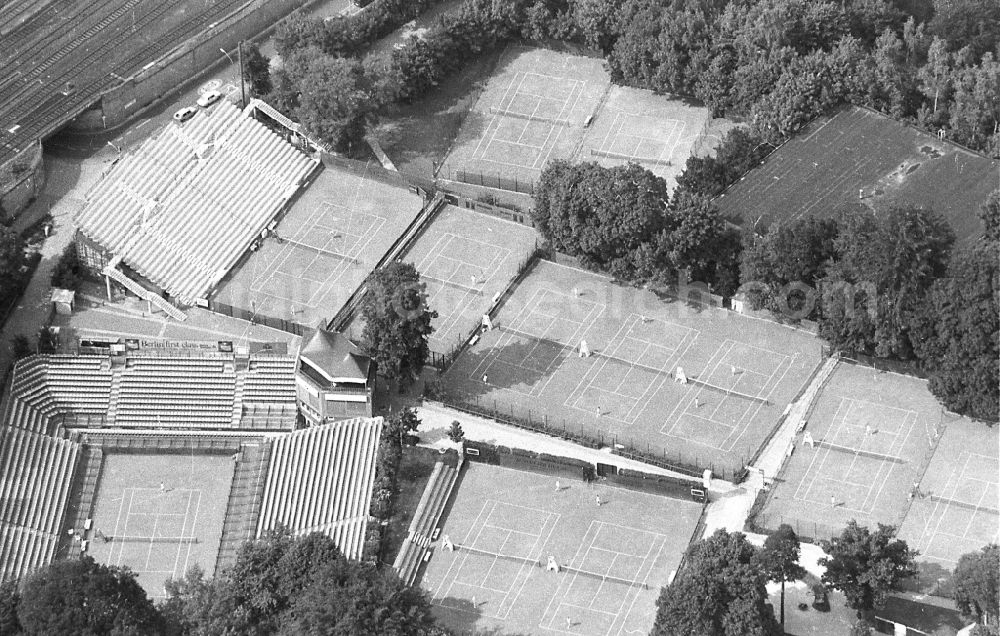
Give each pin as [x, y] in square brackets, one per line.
[322, 248]
[741, 372]
[617, 555]
[160, 532]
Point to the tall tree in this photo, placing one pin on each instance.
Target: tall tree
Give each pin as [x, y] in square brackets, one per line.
[886, 260]
[989, 214]
[397, 321]
[11, 259]
[773, 266]
[297, 585]
[700, 241]
[76, 596]
[780, 557]
[739, 152]
[601, 215]
[977, 585]
[9, 598]
[866, 566]
[956, 333]
[720, 592]
[256, 70]
[335, 102]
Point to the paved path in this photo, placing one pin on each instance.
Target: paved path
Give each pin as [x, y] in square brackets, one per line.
[66, 184]
[730, 512]
[436, 420]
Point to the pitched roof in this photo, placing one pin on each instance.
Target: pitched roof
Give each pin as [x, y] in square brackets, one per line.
[925, 613]
[861, 157]
[184, 207]
[335, 355]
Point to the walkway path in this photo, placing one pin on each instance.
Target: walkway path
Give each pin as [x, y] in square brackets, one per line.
[730, 511]
[436, 420]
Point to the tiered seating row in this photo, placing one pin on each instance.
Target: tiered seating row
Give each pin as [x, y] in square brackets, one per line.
[36, 471]
[270, 379]
[175, 392]
[321, 476]
[429, 510]
[53, 383]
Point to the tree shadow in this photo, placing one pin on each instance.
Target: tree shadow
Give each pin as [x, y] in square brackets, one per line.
[931, 578]
[518, 363]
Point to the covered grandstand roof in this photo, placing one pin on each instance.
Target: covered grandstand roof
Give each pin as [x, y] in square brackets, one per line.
[320, 480]
[185, 206]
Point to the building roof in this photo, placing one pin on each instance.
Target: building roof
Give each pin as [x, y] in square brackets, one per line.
[336, 356]
[928, 614]
[320, 480]
[823, 170]
[184, 207]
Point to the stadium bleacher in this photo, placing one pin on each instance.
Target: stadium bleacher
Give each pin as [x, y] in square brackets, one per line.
[36, 472]
[320, 480]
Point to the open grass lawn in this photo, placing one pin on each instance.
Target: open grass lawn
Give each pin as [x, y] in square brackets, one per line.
[417, 136]
[414, 472]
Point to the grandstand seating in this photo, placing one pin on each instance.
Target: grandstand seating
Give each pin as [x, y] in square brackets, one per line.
[429, 510]
[35, 476]
[320, 480]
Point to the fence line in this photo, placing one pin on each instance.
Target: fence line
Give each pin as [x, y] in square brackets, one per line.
[486, 180]
[539, 423]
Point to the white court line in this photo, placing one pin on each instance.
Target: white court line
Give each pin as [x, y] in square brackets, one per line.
[646, 399]
[535, 547]
[893, 450]
[645, 581]
[684, 401]
[194, 525]
[177, 558]
[812, 471]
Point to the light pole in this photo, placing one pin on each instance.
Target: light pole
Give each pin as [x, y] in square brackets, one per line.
[227, 55]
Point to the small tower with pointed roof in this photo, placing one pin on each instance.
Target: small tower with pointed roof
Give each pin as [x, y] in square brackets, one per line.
[334, 379]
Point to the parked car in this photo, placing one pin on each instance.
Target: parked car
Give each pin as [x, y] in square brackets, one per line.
[209, 98]
[185, 113]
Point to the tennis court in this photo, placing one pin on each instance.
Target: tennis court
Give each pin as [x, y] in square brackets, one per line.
[956, 508]
[533, 109]
[741, 372]
[652, 130]
[160, 514]
[466, 258]
[613, 557]
[322, 249]
[871, 431]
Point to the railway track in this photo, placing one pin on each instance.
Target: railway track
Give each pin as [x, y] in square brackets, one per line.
[42, 104]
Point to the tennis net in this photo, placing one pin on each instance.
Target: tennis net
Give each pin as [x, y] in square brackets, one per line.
[516, 115]
[448, 283]
[321, 251]
[538, 563]
[729, 392]
[862, 453]
[963, 504]
[596, 354]
[140, 539]
[618, 155]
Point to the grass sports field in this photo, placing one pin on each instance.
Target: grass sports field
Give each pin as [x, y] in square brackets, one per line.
[533, 109]
[466, 258]
[957, 509]
[161, 532]
[872, 434]
[742, 372]
[636, 539]
[326, 245]
[638, 126]
[833, 164]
